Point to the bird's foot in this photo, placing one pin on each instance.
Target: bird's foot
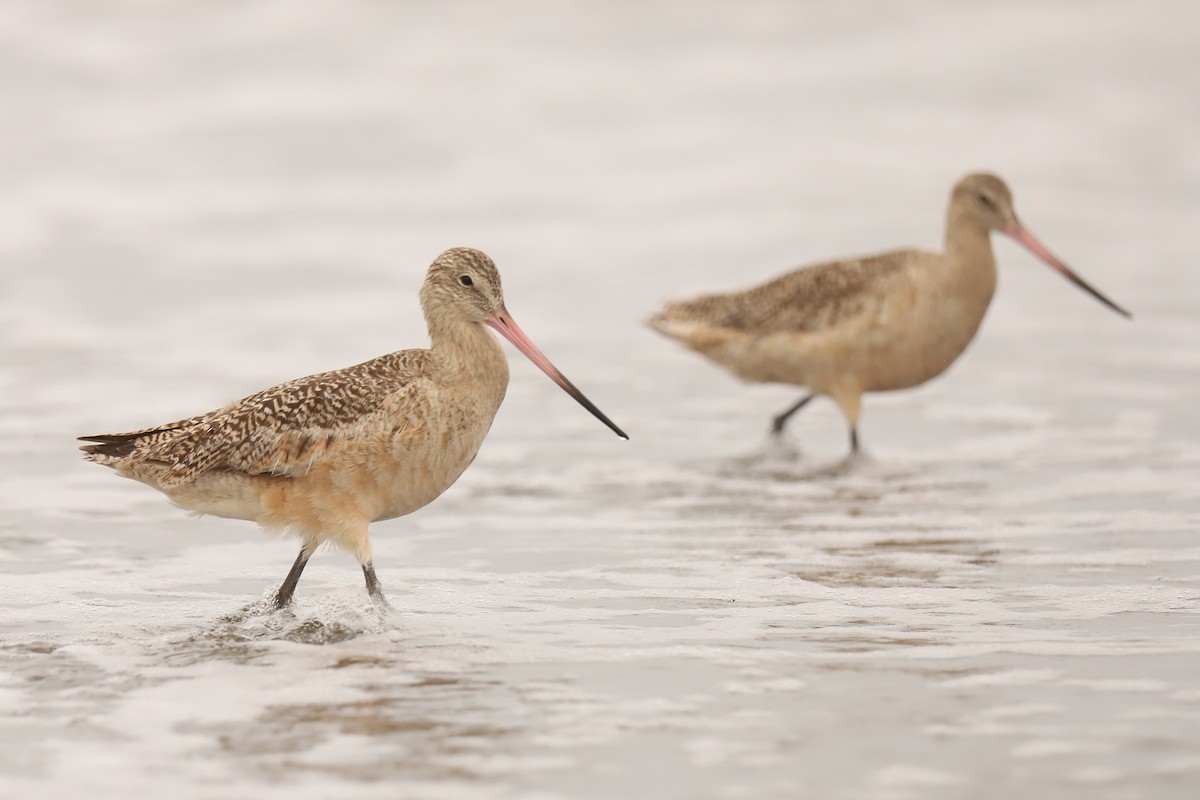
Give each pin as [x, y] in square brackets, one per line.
[780, 449]
[264, 606]
[375, 590]
[382, 604]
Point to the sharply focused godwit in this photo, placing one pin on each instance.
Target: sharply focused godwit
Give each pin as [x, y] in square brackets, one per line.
[890, 321]
[322, 457]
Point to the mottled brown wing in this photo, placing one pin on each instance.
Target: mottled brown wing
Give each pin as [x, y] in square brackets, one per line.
[284, 429]
[808, 299]
[114, 446]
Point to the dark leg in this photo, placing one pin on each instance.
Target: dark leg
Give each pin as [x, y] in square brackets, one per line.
[781, 420]
[854, 440]
[373, 586]
[288, 588]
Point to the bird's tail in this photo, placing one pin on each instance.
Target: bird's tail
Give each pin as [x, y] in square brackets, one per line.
[110, 445]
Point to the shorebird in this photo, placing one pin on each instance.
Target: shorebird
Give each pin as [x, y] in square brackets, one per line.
[874, 324]
[321, 457]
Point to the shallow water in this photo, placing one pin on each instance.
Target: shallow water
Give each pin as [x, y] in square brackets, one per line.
[1001, 599]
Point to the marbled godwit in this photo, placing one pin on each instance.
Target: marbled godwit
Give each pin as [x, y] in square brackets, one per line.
[890, 321]
[322, 457]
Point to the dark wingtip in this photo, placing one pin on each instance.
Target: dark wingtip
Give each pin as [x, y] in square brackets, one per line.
[103, 438]
[109, 444]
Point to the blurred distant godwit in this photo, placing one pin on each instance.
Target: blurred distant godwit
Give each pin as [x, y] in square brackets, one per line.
[322, 457]
[874, 324]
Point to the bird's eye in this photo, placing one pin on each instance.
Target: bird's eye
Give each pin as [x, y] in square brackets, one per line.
[987, 201]
[465, 280]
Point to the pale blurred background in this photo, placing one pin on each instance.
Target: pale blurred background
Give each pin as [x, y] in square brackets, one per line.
[200, 199]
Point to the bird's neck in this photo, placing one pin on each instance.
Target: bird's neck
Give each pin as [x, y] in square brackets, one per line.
[468, 350]
[968, 248]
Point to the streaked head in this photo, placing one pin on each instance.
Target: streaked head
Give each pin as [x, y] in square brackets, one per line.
[984, 200]
[463, 283]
